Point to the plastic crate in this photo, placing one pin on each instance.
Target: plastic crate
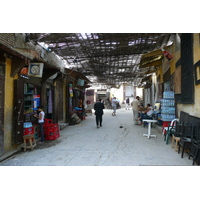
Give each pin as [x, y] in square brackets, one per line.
[48, 128]
[49, 132]
[47, 122]
[57, 134]
[50, 136]
[56, 126]
[28, 131]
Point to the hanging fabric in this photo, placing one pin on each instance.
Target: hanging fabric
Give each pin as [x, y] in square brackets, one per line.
[50, 102]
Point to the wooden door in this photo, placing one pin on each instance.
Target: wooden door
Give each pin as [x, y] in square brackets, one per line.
[18, 111]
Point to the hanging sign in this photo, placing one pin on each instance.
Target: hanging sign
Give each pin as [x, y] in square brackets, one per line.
[167, 54]
[35, 69]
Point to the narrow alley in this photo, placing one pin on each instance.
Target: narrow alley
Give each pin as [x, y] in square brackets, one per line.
[85, 145]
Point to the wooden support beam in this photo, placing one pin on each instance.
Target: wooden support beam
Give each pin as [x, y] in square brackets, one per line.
[16, 65]
[156, 63]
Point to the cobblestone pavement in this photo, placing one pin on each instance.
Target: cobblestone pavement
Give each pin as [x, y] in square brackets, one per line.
[85, 145]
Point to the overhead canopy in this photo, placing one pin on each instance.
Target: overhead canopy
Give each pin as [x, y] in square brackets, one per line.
[106, 58]
[72, 73]
[153, 58]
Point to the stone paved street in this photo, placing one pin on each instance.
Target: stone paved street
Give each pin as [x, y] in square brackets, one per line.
[85, 145]
[141, 175]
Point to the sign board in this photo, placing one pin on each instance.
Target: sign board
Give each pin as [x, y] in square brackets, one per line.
[35, 69]
[36, 101]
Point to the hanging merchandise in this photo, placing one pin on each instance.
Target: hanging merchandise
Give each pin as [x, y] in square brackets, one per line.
[70, 90]
[77, 93]
[80, 82]
[70, 104]
[80, 103]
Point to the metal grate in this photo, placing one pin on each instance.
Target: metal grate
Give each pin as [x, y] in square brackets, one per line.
[110, 57]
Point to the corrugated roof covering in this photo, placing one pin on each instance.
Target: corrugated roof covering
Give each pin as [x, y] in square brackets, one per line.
[110, 57]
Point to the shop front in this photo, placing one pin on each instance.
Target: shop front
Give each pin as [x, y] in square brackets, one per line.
[29, 93]
[75, 96]
[27, 96]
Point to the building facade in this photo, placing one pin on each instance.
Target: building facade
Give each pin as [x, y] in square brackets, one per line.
[30, 75]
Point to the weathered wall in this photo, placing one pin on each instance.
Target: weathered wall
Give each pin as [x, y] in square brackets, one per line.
[8, 110]
[193, 109]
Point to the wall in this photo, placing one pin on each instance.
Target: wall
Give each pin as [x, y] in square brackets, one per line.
[65, 99]
[8, 110]
[193, 109]
[58, 99]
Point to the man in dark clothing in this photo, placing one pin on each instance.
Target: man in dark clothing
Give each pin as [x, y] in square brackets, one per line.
[98, 107]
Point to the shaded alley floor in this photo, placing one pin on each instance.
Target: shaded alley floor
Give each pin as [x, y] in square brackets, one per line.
[85, 145]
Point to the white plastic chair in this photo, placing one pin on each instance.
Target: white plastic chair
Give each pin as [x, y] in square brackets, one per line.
[173, 123]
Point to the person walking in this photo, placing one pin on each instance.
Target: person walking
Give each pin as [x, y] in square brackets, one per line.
[98, 107]
[127, 103]
[135, 107]
[114, 106]
[40, 122]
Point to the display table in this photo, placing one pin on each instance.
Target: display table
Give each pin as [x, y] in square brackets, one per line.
[149, 121]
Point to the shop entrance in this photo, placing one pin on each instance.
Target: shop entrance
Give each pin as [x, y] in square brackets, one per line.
[2, 84]
[26, 99]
